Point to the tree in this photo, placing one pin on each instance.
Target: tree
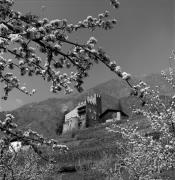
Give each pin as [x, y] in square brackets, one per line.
[25, 38]
[150, 155]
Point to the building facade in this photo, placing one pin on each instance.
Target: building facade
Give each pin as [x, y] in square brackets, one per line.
[71, 121]
[84, 115]
[112, 114]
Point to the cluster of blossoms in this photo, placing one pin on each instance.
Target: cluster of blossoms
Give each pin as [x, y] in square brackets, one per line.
[48, 37]
[24, 165]
[25, 38]
[27, 137]
[15, 141]
[115, 3]
[150, 153]
[169, 76]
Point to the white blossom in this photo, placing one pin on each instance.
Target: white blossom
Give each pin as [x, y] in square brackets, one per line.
[126, 76]
[23, 88]
[117, 69]
[15, 37]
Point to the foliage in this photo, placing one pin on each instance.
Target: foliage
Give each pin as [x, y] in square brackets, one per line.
[24, 164]
[149, 155]
[25, 38]
[48, 37]
[108, 165]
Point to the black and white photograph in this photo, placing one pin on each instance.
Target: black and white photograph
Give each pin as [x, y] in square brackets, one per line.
[87, 89]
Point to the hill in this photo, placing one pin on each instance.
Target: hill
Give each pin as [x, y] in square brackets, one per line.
[44, 116]
[89, 145]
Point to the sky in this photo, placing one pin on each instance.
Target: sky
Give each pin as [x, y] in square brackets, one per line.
[141, 42]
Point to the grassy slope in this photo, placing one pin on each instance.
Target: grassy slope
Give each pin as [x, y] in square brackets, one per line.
[87, 145]
[85, 148]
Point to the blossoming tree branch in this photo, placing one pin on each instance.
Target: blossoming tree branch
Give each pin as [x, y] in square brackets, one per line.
[25, 37]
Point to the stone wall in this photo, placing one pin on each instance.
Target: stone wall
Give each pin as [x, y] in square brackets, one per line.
[71, 121]
[71, 125]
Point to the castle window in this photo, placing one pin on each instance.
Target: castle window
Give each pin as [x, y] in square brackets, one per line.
[79, 124]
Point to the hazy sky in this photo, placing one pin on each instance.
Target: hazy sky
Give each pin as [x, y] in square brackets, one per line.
[141, 42]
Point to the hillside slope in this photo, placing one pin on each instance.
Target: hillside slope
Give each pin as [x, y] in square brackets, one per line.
[44, 116]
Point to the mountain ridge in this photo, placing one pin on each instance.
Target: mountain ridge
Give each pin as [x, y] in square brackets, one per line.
[43, 116]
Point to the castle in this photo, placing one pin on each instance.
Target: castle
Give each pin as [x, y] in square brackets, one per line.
[85, 114]
[89, 113]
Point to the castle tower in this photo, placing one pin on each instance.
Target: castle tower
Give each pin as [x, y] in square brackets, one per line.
[99, 105]
[84, 115]
[93, 109]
